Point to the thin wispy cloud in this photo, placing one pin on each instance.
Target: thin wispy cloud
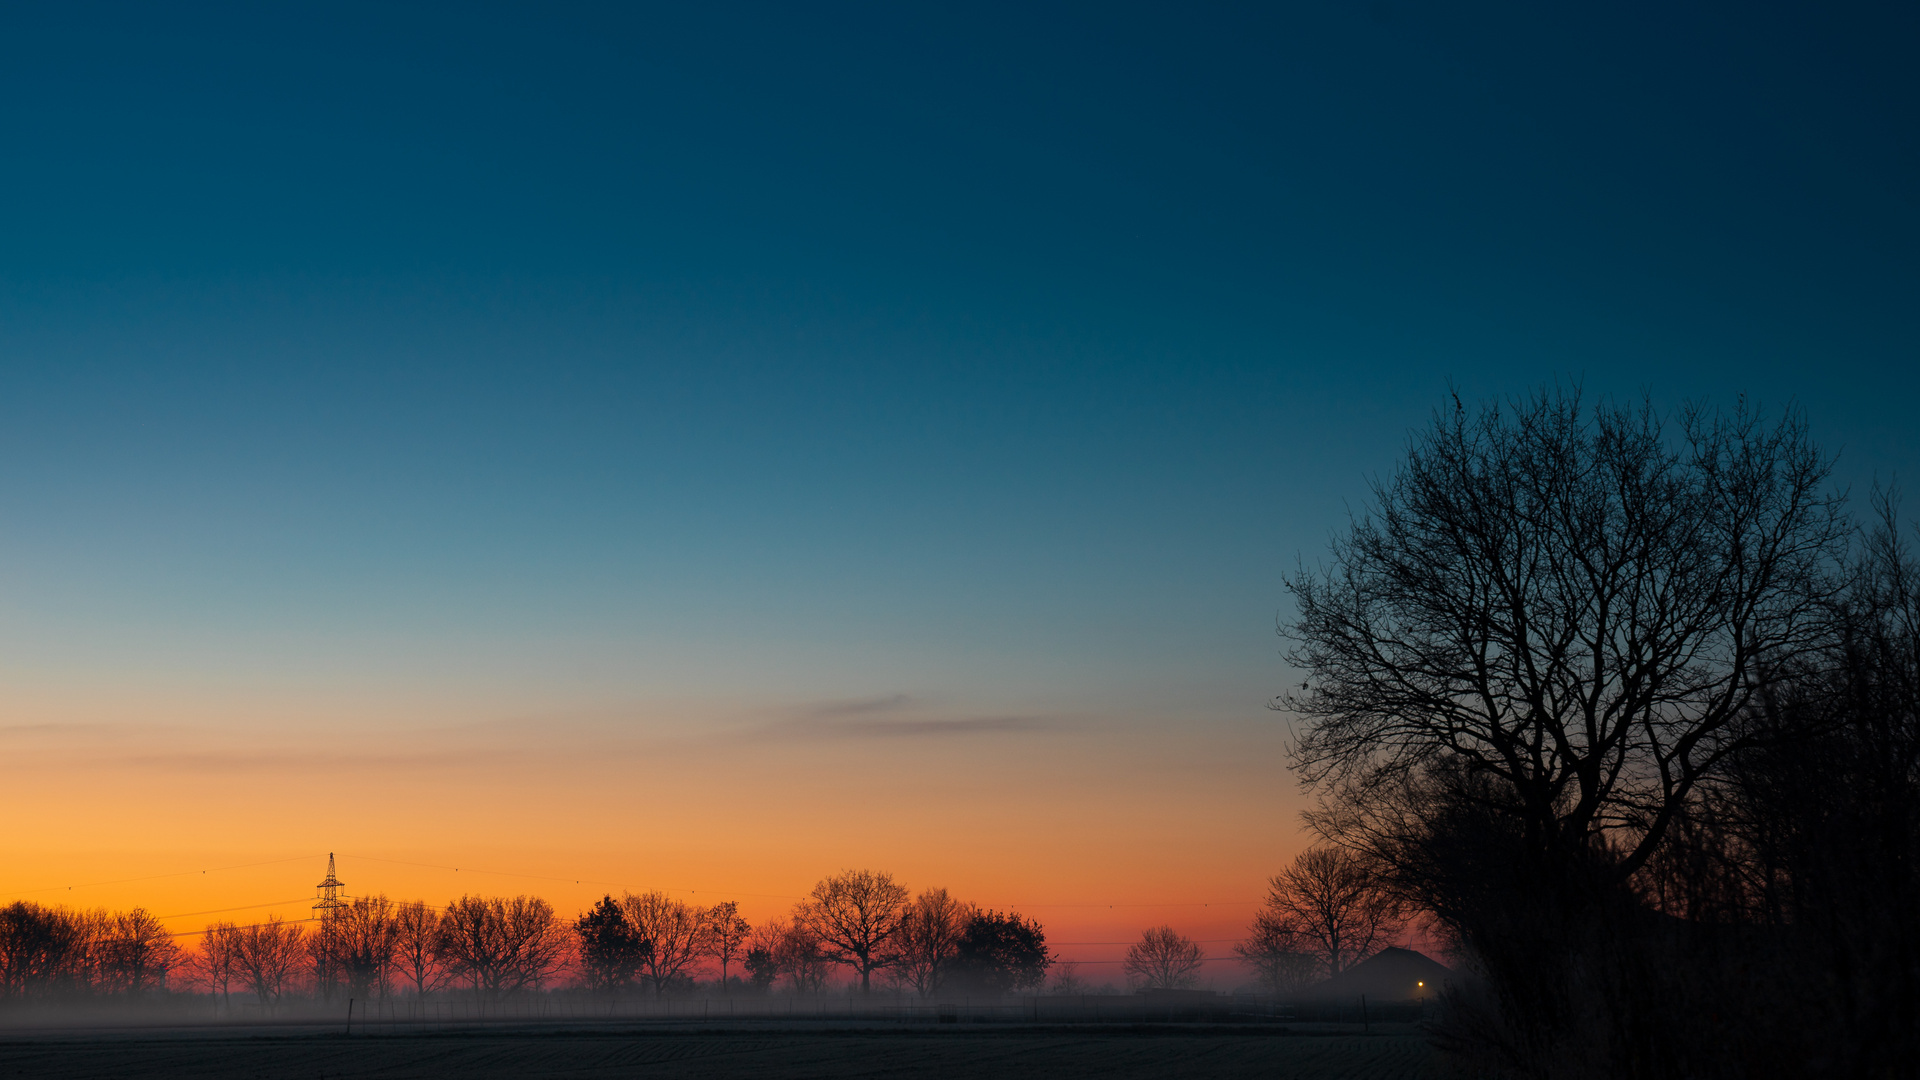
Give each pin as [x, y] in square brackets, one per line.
[893, 716]
[972, 725]
[204, 762]
[884, 703]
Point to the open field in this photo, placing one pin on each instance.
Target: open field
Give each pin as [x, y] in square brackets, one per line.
[1112, 1053]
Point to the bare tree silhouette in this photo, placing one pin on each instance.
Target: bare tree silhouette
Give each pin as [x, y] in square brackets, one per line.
[723, 935]
[929, 938]
[856, 914]
[1282, 958]
[1527, 662]
[1561, 600]
[137, 953]
[501, 945]
[268, 957]
[671, 930]
[1799, 868]
[762, 954]
[365, 941]
[791, 948]
[40, 948]
[1163, 959]
[416, 945]
[1334, 902]
[215, 964]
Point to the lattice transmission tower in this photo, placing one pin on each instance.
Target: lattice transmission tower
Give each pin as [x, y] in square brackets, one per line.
[329, 903]
[328, 908]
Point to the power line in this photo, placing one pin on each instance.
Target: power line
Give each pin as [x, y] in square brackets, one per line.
[250, 926]
[224, 910]
[155, 877]
[550, 877]
[597, 882]
[1204, 960]
[1170, 903]
[1136, 941]
[496, 873]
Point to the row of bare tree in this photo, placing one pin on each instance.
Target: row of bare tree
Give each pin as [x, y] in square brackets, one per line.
[51, 950]
[860, 921]
[374, 947]
[371, 947]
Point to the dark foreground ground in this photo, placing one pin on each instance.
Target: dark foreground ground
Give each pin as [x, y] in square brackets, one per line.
[769, 1054]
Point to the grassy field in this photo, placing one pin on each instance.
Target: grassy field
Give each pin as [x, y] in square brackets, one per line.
[1112, 1054]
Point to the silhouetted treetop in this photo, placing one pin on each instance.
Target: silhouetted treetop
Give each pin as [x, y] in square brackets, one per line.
[1575, 602]
[1163, 959]
[997, 954]
[856, 915]
[611, 951]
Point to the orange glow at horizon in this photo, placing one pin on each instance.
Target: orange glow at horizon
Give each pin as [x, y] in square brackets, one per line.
[1097, 829]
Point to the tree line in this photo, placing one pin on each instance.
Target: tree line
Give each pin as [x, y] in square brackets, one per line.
[1628, 709]
[50, 950]
[1321, 916]
[858, 923]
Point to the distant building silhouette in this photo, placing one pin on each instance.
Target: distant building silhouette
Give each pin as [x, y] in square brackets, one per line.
[1392, 974]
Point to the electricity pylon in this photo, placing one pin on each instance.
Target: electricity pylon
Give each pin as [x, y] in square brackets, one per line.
[328, 908]
[329, 902]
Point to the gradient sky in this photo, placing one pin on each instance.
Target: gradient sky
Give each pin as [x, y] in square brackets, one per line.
[706, 446]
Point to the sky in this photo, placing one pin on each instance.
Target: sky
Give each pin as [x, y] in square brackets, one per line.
[709, 446]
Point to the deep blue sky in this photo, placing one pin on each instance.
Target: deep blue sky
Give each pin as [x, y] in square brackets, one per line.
[1002, 358]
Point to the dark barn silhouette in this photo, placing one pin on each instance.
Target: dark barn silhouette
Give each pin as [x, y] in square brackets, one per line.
[1390, 975]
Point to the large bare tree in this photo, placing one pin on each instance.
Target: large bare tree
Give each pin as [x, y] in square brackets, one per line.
[671, 931]
[798, 954]
[137, 954]
[857, 915]
[1570, 604]
[268, 957]
[40, 948]
[929, 939]
[366, 939]
[723, 935]
[416, 945]
[214, 963]
[1282, 958]
[1335, 905]
[1163, 959]
[501, 944]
